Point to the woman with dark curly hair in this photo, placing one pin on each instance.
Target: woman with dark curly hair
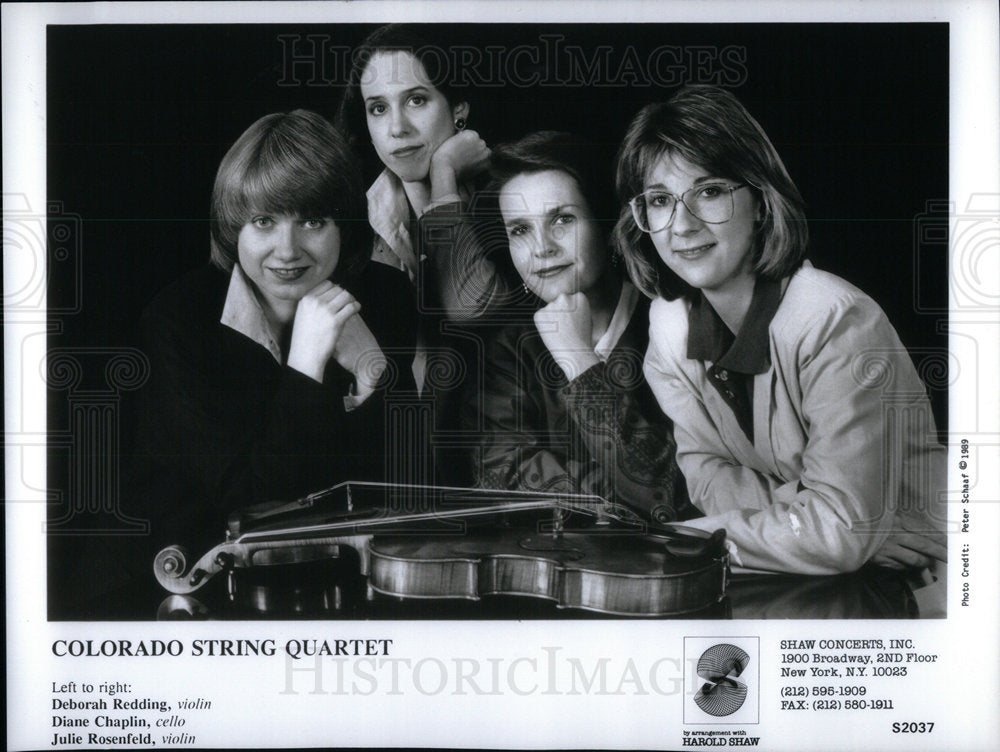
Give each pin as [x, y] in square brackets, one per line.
[403, 99]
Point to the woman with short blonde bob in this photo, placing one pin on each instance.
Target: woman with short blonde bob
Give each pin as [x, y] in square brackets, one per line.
[777, 375]
[270, 366]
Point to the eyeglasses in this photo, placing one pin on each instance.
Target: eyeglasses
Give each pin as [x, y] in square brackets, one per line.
[654, 210]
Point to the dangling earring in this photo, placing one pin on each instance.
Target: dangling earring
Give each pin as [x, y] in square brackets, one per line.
[524, 286]
[460, 124]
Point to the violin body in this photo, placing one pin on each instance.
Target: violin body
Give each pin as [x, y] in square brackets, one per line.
[579, 552]
[621, 574]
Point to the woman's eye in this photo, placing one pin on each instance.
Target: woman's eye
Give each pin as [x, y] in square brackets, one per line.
[376, 109]
[711, 191]
[418, 100]
[563, 219]
[658, 199]
[262, 222]
[516, 231]
[313, 224]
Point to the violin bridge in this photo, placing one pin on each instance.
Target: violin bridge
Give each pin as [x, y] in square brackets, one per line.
[557, 522]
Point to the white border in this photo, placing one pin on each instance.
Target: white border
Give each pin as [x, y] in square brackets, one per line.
[962, 687]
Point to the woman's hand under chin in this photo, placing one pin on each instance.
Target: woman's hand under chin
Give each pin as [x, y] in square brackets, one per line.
[457, 160]
[358, 352]
[327, 325]
[566, 329]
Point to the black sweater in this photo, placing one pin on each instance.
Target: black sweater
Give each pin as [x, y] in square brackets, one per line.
[222, 425]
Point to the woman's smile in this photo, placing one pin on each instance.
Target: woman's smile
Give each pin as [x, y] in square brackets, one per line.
[287, 274]
[693, 253]
[552, 271]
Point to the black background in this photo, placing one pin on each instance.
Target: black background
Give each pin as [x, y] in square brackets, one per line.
[139, 117]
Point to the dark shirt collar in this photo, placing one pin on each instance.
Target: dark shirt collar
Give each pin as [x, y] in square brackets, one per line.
[709, 339]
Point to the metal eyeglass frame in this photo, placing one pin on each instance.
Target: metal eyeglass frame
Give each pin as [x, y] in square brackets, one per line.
[680, 200]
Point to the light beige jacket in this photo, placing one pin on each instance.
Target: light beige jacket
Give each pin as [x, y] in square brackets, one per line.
[844, 446]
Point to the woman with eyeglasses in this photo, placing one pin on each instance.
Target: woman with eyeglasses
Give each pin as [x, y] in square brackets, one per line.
[802, 427]
[565, 408]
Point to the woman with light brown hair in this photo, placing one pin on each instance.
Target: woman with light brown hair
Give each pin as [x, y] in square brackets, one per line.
[801, 425]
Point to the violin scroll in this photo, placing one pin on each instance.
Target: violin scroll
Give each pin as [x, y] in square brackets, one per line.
[173, 571]
[170, 566]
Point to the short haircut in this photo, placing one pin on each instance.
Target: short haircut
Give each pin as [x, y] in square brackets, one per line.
[290, 163]
[563, 152]
[426, 43]
[708, 127]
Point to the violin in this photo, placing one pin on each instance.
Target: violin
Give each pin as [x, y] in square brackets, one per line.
[425, 542]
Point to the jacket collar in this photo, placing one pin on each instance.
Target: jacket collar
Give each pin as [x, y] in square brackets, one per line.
[242, 312]
[709, 339]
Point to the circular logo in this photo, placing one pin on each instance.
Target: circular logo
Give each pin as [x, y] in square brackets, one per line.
[722, 693]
